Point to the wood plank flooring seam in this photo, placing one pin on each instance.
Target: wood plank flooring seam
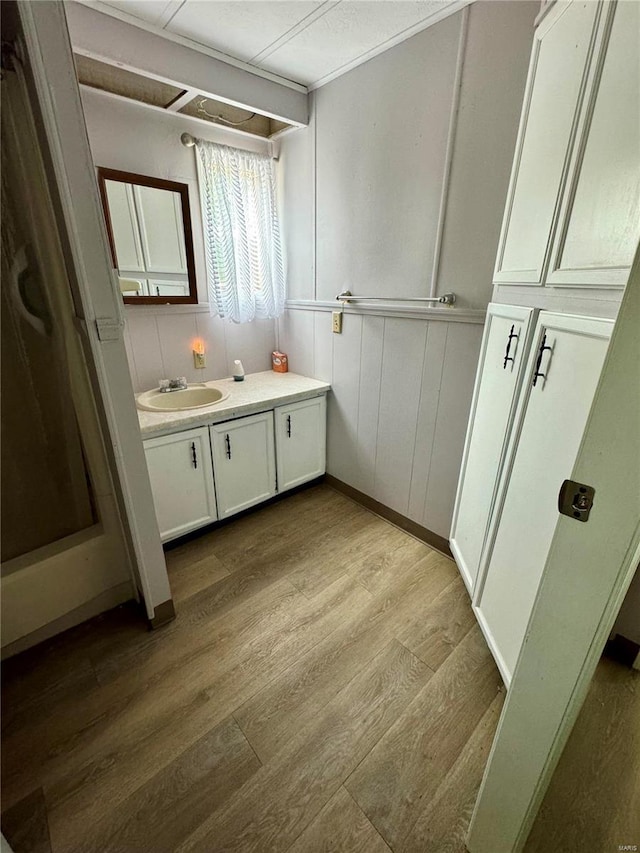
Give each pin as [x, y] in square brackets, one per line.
[246, 737]
[368, 821]
[374, 843]
[411, 652]
[235, 720]
[310, 596]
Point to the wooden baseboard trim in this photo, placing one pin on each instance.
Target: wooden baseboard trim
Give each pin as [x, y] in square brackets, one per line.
[438, 543]
[162, 613]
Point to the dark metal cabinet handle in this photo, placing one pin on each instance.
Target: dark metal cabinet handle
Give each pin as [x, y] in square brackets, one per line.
[507, 357]
[289, 425]
[538, 375]
[194, 456]
[228, 443]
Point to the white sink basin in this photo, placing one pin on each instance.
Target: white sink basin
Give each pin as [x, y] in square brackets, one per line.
[197, 396]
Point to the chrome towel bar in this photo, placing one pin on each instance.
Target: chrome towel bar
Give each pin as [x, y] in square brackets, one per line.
[346, 296]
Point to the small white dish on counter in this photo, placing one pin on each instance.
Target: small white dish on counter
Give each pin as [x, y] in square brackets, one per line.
[196, 396]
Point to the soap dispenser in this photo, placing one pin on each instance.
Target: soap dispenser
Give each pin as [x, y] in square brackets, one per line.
[238, 371]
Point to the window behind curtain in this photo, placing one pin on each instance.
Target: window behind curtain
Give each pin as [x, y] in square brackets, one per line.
[245, 273]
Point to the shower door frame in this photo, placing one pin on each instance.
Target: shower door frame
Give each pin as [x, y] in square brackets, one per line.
[70, 175]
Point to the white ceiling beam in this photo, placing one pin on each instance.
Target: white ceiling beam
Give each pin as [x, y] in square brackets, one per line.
[182, 100]
[209, 128]
[111, 40]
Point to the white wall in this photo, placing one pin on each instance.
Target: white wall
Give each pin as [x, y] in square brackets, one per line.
[133, 138]
[159, 344]
[360, 195]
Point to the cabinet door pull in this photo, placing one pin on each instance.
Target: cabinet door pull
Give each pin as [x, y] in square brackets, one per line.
[194, 456]
[289, 425]
[507, 357]
[537, 375]
[228, 443]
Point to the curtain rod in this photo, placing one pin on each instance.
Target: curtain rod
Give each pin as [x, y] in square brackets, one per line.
[346, 296]
[189, 141]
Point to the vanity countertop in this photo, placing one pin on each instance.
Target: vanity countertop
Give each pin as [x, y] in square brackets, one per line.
[258, 392]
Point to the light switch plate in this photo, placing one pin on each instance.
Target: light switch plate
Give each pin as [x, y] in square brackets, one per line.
[336, 317]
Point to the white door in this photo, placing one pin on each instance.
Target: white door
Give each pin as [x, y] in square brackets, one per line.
[300, 441]
[560, 381]
[244, 462]
[182, 481]
[600, 219]
[503, 355]
[561, 49]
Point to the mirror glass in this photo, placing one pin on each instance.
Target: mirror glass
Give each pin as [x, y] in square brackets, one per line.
[149, 229]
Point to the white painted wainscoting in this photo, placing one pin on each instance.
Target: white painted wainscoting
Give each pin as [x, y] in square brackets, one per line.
[159, 344]
[399, 403]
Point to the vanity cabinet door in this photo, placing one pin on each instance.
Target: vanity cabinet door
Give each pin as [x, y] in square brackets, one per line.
[300, 442]
[181, 481]
[503, 357]
[243, 462]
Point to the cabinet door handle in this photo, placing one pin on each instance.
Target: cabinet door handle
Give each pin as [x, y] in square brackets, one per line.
[228, 443]
[289, 425]
[194, 455]
[538, 375]
[507, 357]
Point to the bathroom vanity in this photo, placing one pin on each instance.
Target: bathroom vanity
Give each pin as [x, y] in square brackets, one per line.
[266, 436]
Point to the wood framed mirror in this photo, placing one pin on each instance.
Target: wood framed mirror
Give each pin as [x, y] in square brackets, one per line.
[149, 227]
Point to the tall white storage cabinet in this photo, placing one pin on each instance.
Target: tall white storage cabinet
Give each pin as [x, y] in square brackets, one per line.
[243, 462]
[570, 230]
[572, 217]
[300, 442]
[181, 481]
[564, 365]
[503, 356]
[599, 223]
[556, 76]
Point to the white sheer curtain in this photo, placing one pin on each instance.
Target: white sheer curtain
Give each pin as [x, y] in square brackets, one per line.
[245, 274]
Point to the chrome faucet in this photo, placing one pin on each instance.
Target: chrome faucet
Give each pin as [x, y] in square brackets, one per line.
[167, 385]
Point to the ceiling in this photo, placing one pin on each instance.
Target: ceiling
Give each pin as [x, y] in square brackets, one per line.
[307, 41]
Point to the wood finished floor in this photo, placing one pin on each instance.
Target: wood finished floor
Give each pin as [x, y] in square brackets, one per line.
[324, 687]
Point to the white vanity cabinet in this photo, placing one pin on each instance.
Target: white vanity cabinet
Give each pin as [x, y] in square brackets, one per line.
[562, 371]
[266, 436]
[300, 442]
[572, 217]
[503, 357]
[181, 481]
[244, 462]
